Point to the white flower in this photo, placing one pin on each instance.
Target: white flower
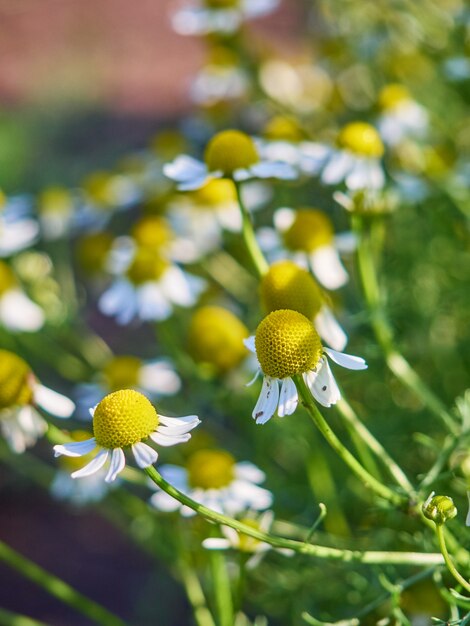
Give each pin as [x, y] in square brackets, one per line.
[219, 83]
[307, 156]
[17, 229]
[401, 116]
[204, 18]
[214, 479]
[229, 154]
[120, 421]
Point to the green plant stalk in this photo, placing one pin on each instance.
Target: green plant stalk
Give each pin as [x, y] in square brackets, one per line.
[7, 618]
[195, 595]
[322, 552]
[372, 483]
[57, 587]
[448, 561]
[257, 257]
[222, 589]
[396, 362]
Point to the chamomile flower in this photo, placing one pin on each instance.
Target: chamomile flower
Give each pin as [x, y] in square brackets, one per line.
[124, 419]
[229, 154]
[286, 285]
[219, 16]
[17, 312]
[56, 212]
[213, 478]
[287, 345]
[20, 394]
[309, 237]
[356, 160]
[154, 378]
[401, 116]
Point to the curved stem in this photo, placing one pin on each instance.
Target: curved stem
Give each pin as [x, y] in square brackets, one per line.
[396, 362]
[257, 257]
[448, 561]
[322, 552]
[369, 481]
[58, 588]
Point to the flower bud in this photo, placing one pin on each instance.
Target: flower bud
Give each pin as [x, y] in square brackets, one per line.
[439, 509]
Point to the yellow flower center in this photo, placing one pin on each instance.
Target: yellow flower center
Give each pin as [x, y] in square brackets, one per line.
[15, 381]
[362, 139]
[287, 344]
[392, 95]
[214, 193]
[216, 337]
[152, 231]
[147, 265]
[230, 150]
[221, 4]
[286, 285]
[123, 418]
[283, 128]
[122, 372]
[311, 229]
[99, 189]
[92, 251]
[210, 469]
[7, 278]
[56, 200]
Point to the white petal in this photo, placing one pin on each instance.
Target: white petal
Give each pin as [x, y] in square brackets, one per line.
[329, 329]
[144, 454]
[269, 169]
[152, 303]
[17, 440]
[119, 300]
[94, 465]
[177, 288]
[283, 219]
[31, 423]
[322, 385]
[348, 361]
[257, 8]
[327, 267]
[17, 235]
[178, 425]
[163, 439]
[216, 543]
[267, 401]
[337, 167]
[75, 448]
[159, 377]
[176, 475]
[118, 463]
[346, 242]
[163, 502]
[185, 168]
[255, 377]
[19, 313]
[249, 343]
[268, 239]
[248, 471]
[251, 495]
[53, 402]
[288, 398]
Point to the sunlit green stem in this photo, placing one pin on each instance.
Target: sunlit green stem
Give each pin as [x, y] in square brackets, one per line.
[383, 331]
[191, 583]
[372, 483]
[222, 589]
[257, 258]
[322, 552]
[57, 587]
[7, 618]
[448, 561]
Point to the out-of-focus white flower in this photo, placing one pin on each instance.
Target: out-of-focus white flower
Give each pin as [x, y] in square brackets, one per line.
[214, 479]
[20, 394]
[401, 117]
[17, 312]
[219, 83]
[122, 420]
[219, 16]
[18, 230]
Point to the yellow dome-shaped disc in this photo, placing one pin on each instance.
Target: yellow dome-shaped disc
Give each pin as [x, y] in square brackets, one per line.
[310, 230]
[362, 139]
[147, 265]
[230, 150]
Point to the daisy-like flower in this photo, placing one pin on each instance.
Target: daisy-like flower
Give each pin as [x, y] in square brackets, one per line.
[286, 285]
[214, 479]
[154, 378]
[17, 312]
[286, 345]
[20, 394]
[17, 229]
[219, 16]
[229, 154]
[124, 419]
[356, 160]
[56, 212]
[401, 116]
[309, 237]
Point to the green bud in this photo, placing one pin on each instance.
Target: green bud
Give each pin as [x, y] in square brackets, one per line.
[439, 509]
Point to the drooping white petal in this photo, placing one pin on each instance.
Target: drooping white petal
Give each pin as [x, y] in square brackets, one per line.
[177, 288]
[267, 401]
[329, 329]
[250, 472]
[159, 377]
[163, 502]
[119, 300]
[327, 267]
[163, 439]
[252, 496]
[19, 313]
[178, 425]
[323, 385]
[152, 303]
[348, 361]
[216, 543]
[365, 174]
[17, 235]
[31, 423]
[269, 169]
[53, 402]
[185, 168]
[249, 343]
[338, 166]
[75, 448]
[345, 242]
[94, 465]
[144, 454]
[288, 398]
[118, 463]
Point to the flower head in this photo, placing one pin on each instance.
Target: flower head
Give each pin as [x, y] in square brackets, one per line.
[362, 139]
[124, 419]
[230, 150]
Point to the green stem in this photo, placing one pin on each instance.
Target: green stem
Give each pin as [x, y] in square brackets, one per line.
[193, 588]
[257, 257]
[58, 588]
[7, 618]
[396, 362]
[448, 561]
[222, 589]
[369, 481]
[322, 552]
